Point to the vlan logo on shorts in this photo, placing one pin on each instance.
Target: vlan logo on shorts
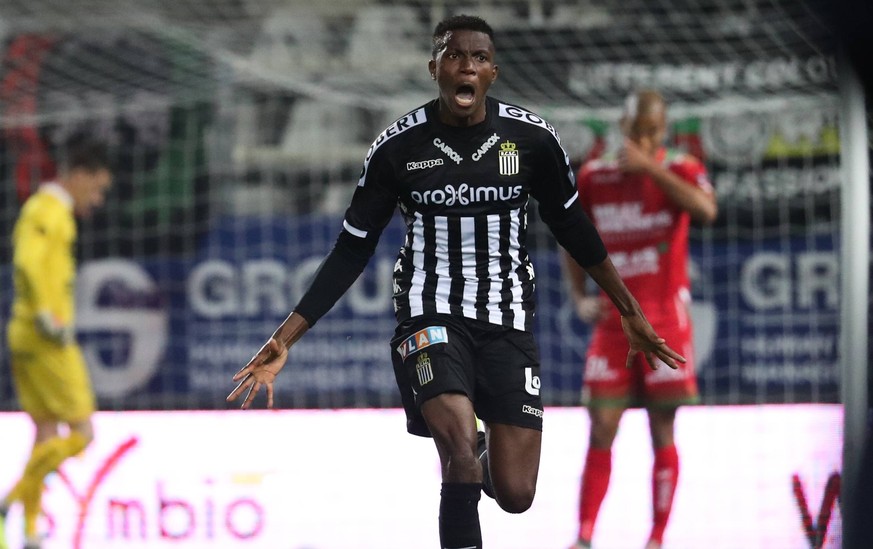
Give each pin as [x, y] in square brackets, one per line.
[423, 369]
[423, 338]
[531, 382]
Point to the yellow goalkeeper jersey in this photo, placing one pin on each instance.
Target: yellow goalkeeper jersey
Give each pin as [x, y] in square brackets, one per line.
[44, 263]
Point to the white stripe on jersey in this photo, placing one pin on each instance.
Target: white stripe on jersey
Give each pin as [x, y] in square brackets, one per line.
[495, 315]
[573, 199]
[444, 279]
[514, 244]
[468, 266]
[466, 291]
[416, 305]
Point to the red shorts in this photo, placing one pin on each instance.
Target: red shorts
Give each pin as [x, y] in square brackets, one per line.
[607, 382]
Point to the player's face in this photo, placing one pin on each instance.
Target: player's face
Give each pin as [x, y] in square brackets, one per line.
[88, 188]
[648, 130]
[464, 70]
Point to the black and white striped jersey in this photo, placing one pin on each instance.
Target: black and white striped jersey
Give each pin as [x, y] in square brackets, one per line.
[463, 192]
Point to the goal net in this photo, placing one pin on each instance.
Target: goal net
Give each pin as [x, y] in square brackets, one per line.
[238, 128]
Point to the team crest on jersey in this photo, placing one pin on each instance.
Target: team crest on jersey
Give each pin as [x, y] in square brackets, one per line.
[421, 339]
[423, 369]
[508, 156]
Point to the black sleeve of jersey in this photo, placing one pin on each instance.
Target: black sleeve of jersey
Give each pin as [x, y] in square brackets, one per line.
[339, 270]
[371, 209]
[576, 233]
[555, 190]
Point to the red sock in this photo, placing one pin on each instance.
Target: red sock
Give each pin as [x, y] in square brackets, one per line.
[665, 474]
[595, 481]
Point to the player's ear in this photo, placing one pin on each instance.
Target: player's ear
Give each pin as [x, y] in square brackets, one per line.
[495, 70]
[431, 67]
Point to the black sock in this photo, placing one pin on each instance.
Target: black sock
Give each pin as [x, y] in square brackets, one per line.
[459, 515]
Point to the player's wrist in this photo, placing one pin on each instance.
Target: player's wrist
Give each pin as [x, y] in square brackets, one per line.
[291, 330]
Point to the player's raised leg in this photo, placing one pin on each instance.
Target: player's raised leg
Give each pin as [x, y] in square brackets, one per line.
[514, 460]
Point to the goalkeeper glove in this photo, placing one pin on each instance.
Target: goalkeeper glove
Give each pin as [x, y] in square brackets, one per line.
[51, 328]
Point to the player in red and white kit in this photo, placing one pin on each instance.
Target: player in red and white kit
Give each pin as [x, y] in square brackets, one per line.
[642, 201]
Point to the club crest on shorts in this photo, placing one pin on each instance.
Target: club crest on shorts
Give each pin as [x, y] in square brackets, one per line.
[423, 338]
[508, 156]
[423, 369]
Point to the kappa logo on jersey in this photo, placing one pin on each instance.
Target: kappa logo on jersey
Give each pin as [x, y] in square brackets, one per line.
[508, 157]
[424, 164]
[423, 369]
[423, 338]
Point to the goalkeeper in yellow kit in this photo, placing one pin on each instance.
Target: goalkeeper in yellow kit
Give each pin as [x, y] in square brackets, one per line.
[49, 373]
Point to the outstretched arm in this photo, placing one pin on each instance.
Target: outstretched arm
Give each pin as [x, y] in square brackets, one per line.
[640, 334]
[371, 209]
[337, 273]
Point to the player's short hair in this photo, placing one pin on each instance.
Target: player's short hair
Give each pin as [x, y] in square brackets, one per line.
[458, 22]
[82, 151]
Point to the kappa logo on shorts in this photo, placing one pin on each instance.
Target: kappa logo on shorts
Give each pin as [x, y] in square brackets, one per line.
[423, 369]
[526, 409]
[423, 338]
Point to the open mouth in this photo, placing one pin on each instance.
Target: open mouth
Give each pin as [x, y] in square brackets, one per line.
[465, 94]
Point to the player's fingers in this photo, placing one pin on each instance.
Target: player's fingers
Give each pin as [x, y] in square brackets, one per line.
[630, 358]
[666, 359]
[653, 362]
[269, 395]
[243, 372]
[250, 395]
[670, 357]
[241, 386]
[667, 351]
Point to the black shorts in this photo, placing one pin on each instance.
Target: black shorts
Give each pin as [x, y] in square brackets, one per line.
[498, 368]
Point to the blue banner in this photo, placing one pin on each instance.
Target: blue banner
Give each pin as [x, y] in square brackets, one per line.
[175, 331]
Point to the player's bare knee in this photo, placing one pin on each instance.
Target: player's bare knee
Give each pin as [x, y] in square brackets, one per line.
[516, 500]
[516, 496]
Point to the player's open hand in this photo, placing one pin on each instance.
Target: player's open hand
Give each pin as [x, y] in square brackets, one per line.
[261, 370]
[643, 339]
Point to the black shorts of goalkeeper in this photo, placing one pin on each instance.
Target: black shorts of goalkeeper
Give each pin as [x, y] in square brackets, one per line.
[496, 367]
